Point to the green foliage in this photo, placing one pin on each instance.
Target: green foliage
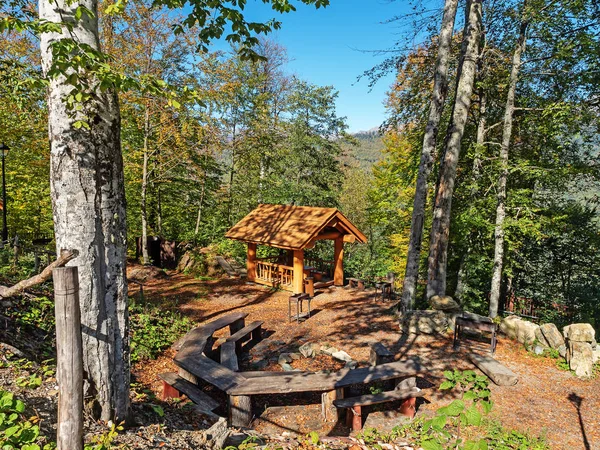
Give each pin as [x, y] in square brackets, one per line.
[105, 441]
[16, 432]
[153, 329]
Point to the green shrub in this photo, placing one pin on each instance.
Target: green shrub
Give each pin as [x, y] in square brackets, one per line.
[15, 431]
[153, 330]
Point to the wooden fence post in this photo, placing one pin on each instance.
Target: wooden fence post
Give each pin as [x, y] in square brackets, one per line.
[69, 359]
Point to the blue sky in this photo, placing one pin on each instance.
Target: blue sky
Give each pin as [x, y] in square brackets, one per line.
[324, 48]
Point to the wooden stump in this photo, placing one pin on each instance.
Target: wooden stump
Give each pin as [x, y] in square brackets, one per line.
[240, 410]
[408, 407]
[328, 410]
[69, 359]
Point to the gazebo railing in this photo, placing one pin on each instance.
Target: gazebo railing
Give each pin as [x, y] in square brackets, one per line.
[326, 267]
[276, 275]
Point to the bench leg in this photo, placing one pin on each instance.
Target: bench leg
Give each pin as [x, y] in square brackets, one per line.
[169, 391]
[187, 376]
[408, 407]
[354, 418]
[328, 410]
[237, 326]
[257, 334]
[240, 410]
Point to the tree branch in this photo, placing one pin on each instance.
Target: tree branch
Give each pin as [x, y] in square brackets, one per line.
[65, 257]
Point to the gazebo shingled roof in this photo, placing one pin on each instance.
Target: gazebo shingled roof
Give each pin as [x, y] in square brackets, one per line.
[291, 227]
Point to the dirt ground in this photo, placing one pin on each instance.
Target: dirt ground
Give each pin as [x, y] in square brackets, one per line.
[545, 401]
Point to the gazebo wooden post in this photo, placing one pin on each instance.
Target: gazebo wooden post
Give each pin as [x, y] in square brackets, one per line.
[298, 271]
[338, 272]
[251, 262]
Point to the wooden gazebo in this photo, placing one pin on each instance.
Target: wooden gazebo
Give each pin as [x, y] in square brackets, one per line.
[294, 229]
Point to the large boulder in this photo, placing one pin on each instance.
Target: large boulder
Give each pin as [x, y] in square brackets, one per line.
[552, 336]
[579, 332]
[581, 358]
[541, 339]
[521, 330]
[443, 303]
[427, 322]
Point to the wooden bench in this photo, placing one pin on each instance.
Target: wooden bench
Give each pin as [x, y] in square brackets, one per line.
[356, 283]
[480, 324]
[174, 386]
[380, 354]
[353, 405]
[253, 330]
[229, 357]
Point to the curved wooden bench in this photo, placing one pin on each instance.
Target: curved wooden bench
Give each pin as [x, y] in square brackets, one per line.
[195, 364]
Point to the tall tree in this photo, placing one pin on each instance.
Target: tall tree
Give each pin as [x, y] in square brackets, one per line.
[440, 89]
[504, 149]
[88, 199]
[438, 251]
[87, 180]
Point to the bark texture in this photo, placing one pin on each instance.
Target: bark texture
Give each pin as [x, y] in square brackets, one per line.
[502, 179]
[144, 191]
[440, 89]
[438, 251]
[88, 198]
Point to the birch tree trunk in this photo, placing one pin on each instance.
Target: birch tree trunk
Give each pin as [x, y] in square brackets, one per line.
[438, 251]
[144, 192]
[88, 199]
[506, 137]
[440, 89]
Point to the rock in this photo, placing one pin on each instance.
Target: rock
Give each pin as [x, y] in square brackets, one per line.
[326, 350]
[562, 351]
[284, 358]
[594, 344]
[521, 330]
[342, 356]
[307, 350]
[295, 356]
[427, 322]
[443, 303]
[351, 364]
[581, 358]
[552, 336]
[286, 367]
[541, 340]
[538, 349]
[596, 355]
[579, 332]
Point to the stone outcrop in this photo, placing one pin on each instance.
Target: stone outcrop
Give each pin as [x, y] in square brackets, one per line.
[521, 330]
[426, 321]
[579, 332]
[443, 303]
[541, 339]
[554, 338]
[580, 354]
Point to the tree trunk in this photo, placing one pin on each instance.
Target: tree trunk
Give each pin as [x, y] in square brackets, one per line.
[440, 89]
[199, 217]
[438, 251]
[506, 137]
[88, 198]
[144, 193]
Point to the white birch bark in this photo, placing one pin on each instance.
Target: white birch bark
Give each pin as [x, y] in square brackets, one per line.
[502, 179]
[144, 190]
[438, 251]
[88, 198]
[440, 89]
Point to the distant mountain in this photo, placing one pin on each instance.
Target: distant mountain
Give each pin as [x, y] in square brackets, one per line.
[368, 150]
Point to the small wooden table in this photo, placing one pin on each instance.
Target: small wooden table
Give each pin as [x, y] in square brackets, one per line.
[474, 324]
[299, 299]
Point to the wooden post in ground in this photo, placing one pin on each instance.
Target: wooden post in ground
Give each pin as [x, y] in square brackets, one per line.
[251, 262]
[240, 410]
[338, 272]
[328, 410]
[298, 272]
[69, 359]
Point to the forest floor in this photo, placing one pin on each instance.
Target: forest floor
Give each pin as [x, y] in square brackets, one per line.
[546, 401]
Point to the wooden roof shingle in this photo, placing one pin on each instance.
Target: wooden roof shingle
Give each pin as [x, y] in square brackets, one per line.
[290, 227]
